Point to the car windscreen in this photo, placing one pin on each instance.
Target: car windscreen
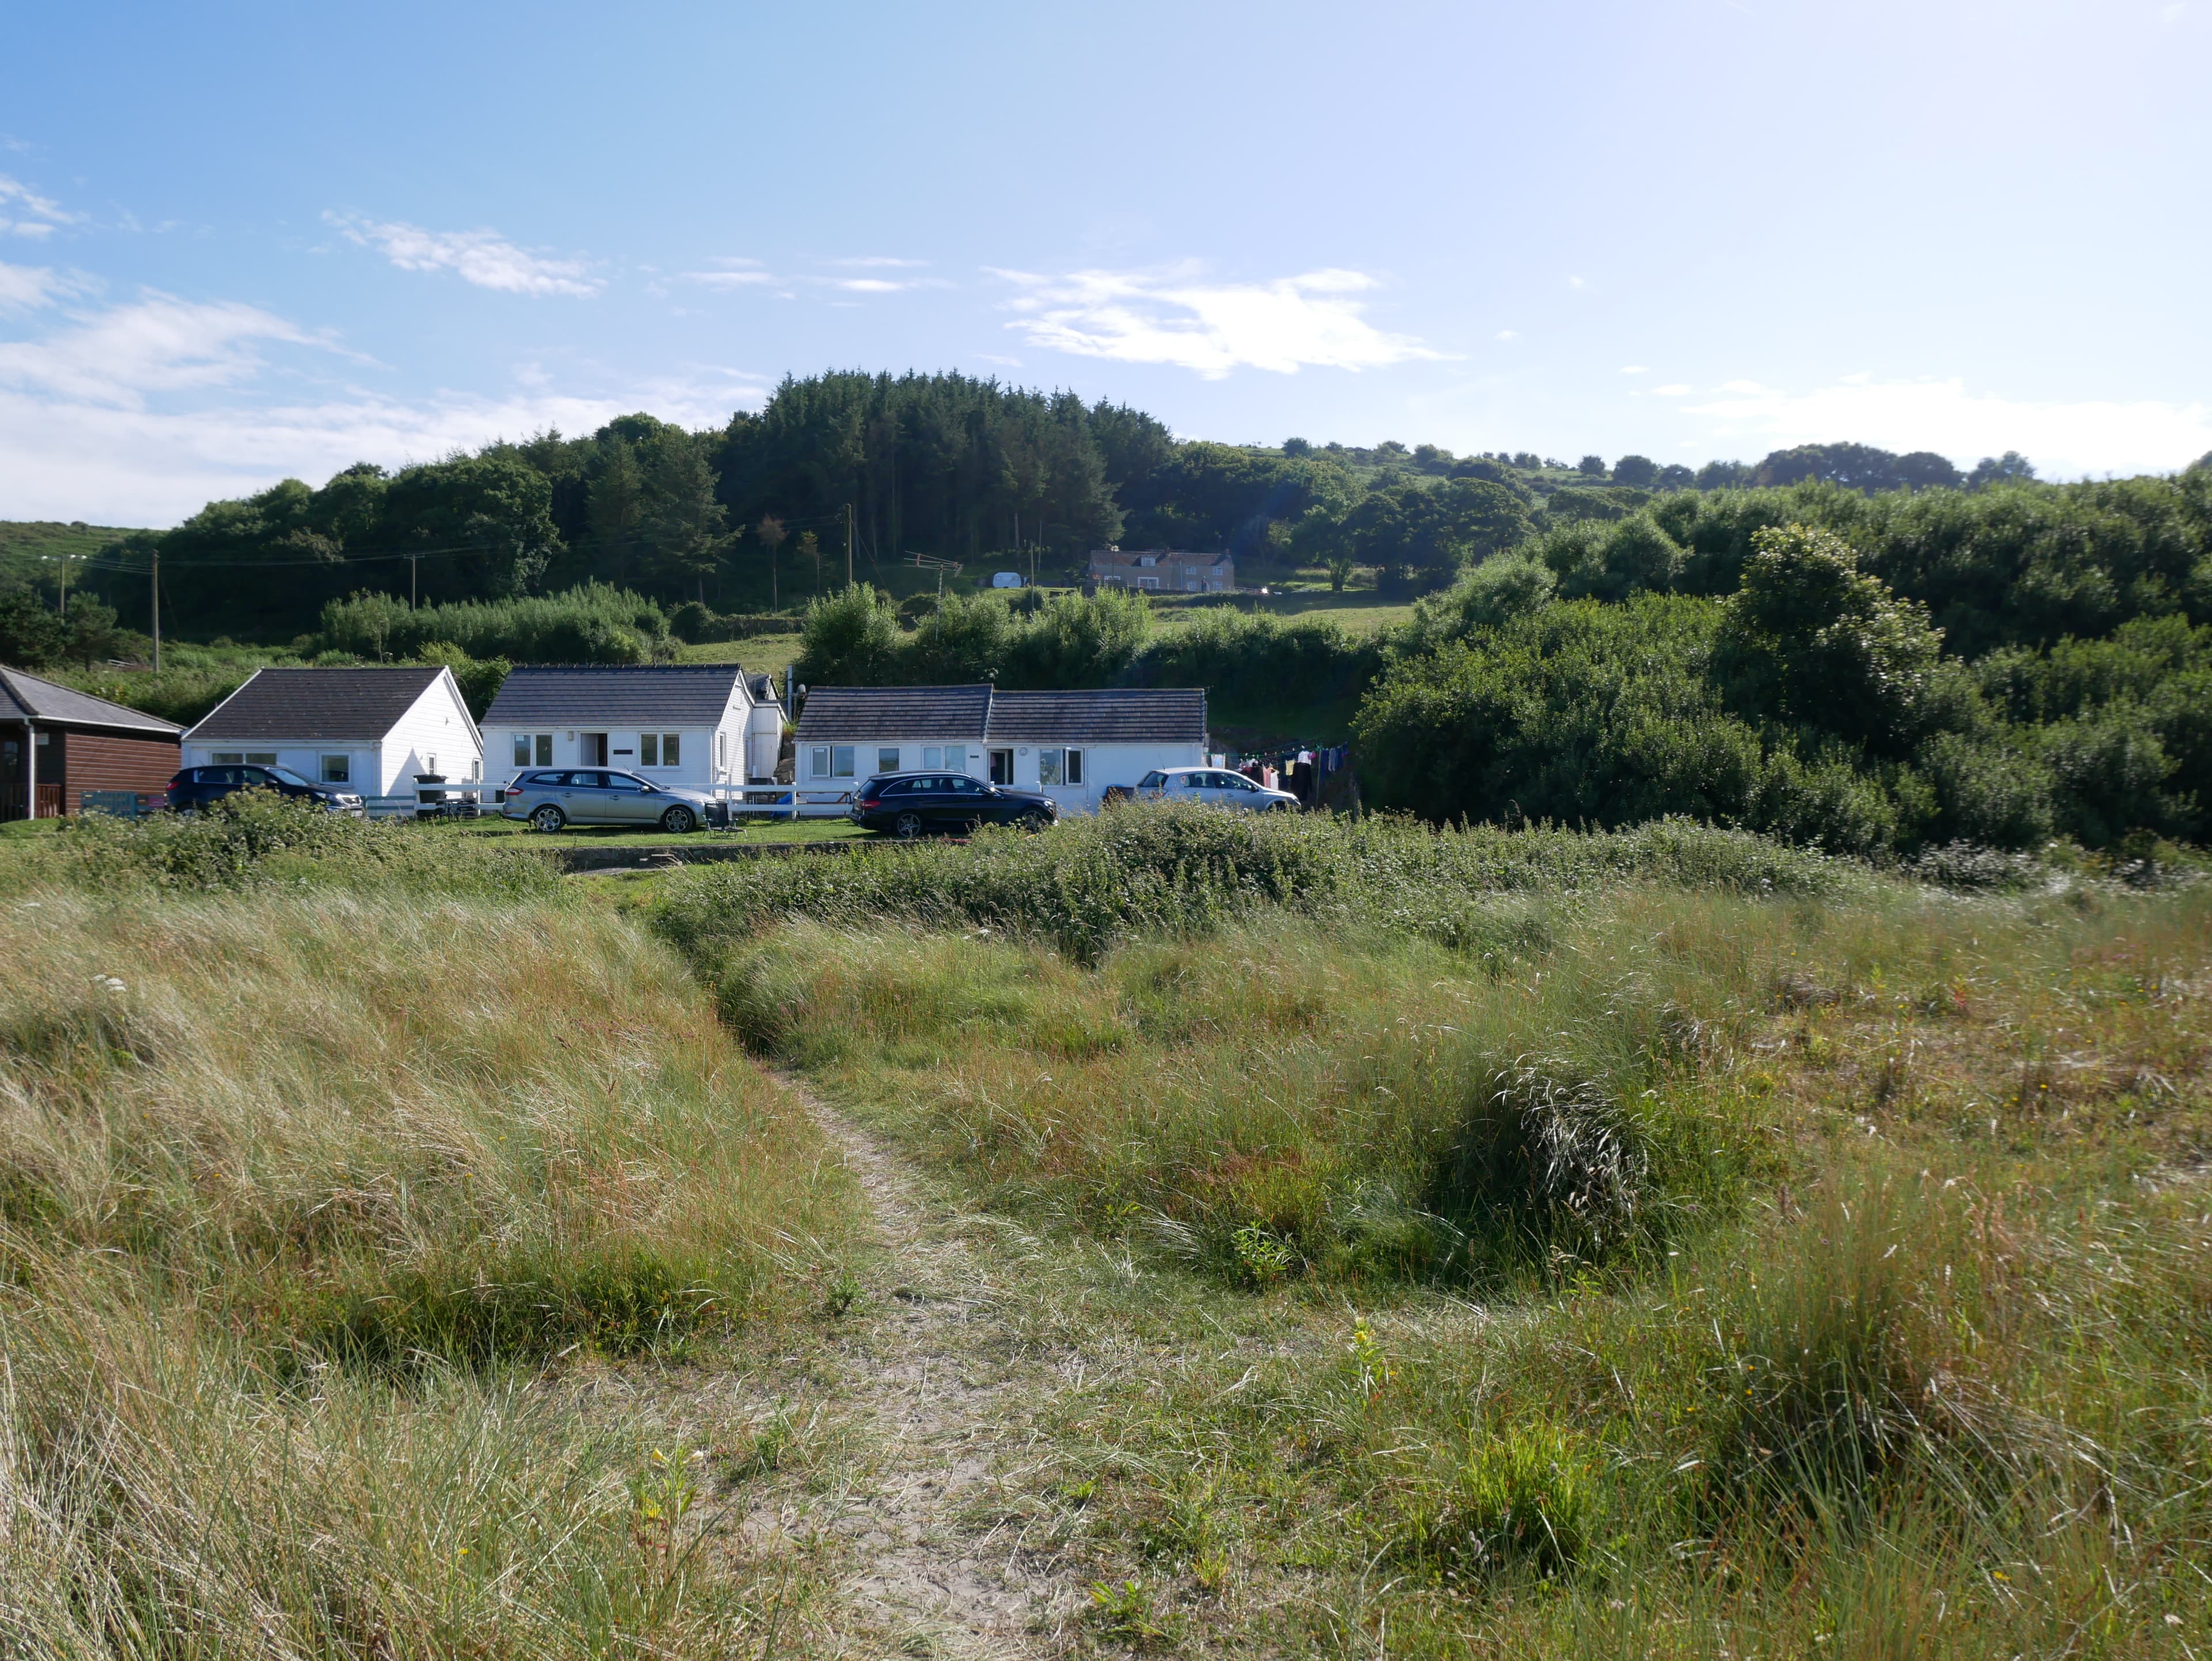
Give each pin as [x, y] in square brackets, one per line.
[1152, 781]
[286, 776]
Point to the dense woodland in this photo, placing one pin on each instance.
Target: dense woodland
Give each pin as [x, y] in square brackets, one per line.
[1837, 644]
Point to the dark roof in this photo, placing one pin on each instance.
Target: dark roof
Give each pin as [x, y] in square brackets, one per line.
[1114, 716]
[860, 713]
[621, 695]
[317, 703]
[26, 697]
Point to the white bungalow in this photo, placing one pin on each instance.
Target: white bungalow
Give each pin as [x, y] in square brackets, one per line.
[370, 729]
[1073, 746]
[694, 724]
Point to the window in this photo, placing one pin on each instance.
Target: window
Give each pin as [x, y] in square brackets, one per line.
[268, 758]
[1072, 770]
[933, 755]
[1048, 767]
[648, 748]
[621, 782]
[522, 749]
[222, 755]
[887, 759]
[722, 752]
[337, 769]
[671, 749]
[833, 761]
[261, 758]
[964, 786]
[1152, 781]
[1060, 767]
[545, 742]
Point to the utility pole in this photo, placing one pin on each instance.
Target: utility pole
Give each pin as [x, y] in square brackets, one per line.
[157, 610]
[413, 561]
[849, 545]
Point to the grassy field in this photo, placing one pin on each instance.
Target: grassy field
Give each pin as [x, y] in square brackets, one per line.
[1660, 1267]
[754, 830]
[760, 653]
[1176, 1234]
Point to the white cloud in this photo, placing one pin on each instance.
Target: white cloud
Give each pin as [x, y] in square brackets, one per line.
[482, 257]
[2063, 439]
[1508, 334]
[867, 285]
[157, 344]
[24, 286]
[1673, 390]
[138, 414]
[734, 277]
[1212, 328]
[18, 200]
[881, 259]
[1576, 282]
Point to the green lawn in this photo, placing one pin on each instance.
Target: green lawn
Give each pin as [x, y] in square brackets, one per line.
[758, 653]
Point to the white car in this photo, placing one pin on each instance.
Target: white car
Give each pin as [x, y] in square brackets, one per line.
[1216, 786]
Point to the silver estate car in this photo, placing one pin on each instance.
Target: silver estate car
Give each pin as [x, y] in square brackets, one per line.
[1216, 787]
[551, 797]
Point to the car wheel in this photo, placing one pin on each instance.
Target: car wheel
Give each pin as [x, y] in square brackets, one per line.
[548, 818]
[906, 826]
[1035, 821]
[679, 821]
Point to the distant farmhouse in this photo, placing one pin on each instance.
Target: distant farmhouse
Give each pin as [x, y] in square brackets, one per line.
[1163, 570]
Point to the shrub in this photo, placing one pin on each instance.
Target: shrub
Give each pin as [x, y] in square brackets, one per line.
[591, 623]
[1525, 1498]
[257, 838]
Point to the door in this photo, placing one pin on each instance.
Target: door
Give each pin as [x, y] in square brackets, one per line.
[585, 798]
[629, 803]
[592, 749]
[1002, 766]
[965, 802]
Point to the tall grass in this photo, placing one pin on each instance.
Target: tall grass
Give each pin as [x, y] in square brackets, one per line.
[293, 1185]
[1151, 870]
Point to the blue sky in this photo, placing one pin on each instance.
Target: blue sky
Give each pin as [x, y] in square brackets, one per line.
[238, 242]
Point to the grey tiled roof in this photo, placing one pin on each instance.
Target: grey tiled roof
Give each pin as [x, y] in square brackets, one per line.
[23, 695]
[317, 703]
[861, 713]
[618, 695]
[1111, 716]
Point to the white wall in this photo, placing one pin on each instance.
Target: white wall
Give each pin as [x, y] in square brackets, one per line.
[1103, 764]
[436, 728]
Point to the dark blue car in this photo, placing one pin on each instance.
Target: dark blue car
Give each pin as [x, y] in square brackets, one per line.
[196, 787]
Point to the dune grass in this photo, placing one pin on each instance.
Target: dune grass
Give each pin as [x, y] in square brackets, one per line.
[301, 1190]
[1651, 1262]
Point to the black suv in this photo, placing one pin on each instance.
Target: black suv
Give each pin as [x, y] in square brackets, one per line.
[196, 787]
[909, 804]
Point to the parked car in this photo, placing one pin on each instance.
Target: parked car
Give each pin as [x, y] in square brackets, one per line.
[549, 798]
[1215, 786]
[910, 803]
[196, 787]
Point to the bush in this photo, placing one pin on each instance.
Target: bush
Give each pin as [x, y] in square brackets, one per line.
[1526, 1498]
[257, 838]
[593, 623]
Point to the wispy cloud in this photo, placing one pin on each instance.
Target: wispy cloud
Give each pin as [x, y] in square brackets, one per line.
[25, 213]
[2061, 438]
[867, 285]
[882, 259]
[1636, 369]
[154, 344]
[1673, 389]
[731, 273]
[482, 257]
[1214, 328]
[25, 287]
[138, 413]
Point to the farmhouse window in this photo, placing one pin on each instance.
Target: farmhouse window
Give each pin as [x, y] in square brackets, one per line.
[887, 759]
[671, 749]
[545, 742]
[1056, 766]
[648, 748]
[257, 757]
[337, 769]
[932, 756]
[833, 761]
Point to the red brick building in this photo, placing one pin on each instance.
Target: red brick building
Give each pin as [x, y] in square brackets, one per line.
[57, 743]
